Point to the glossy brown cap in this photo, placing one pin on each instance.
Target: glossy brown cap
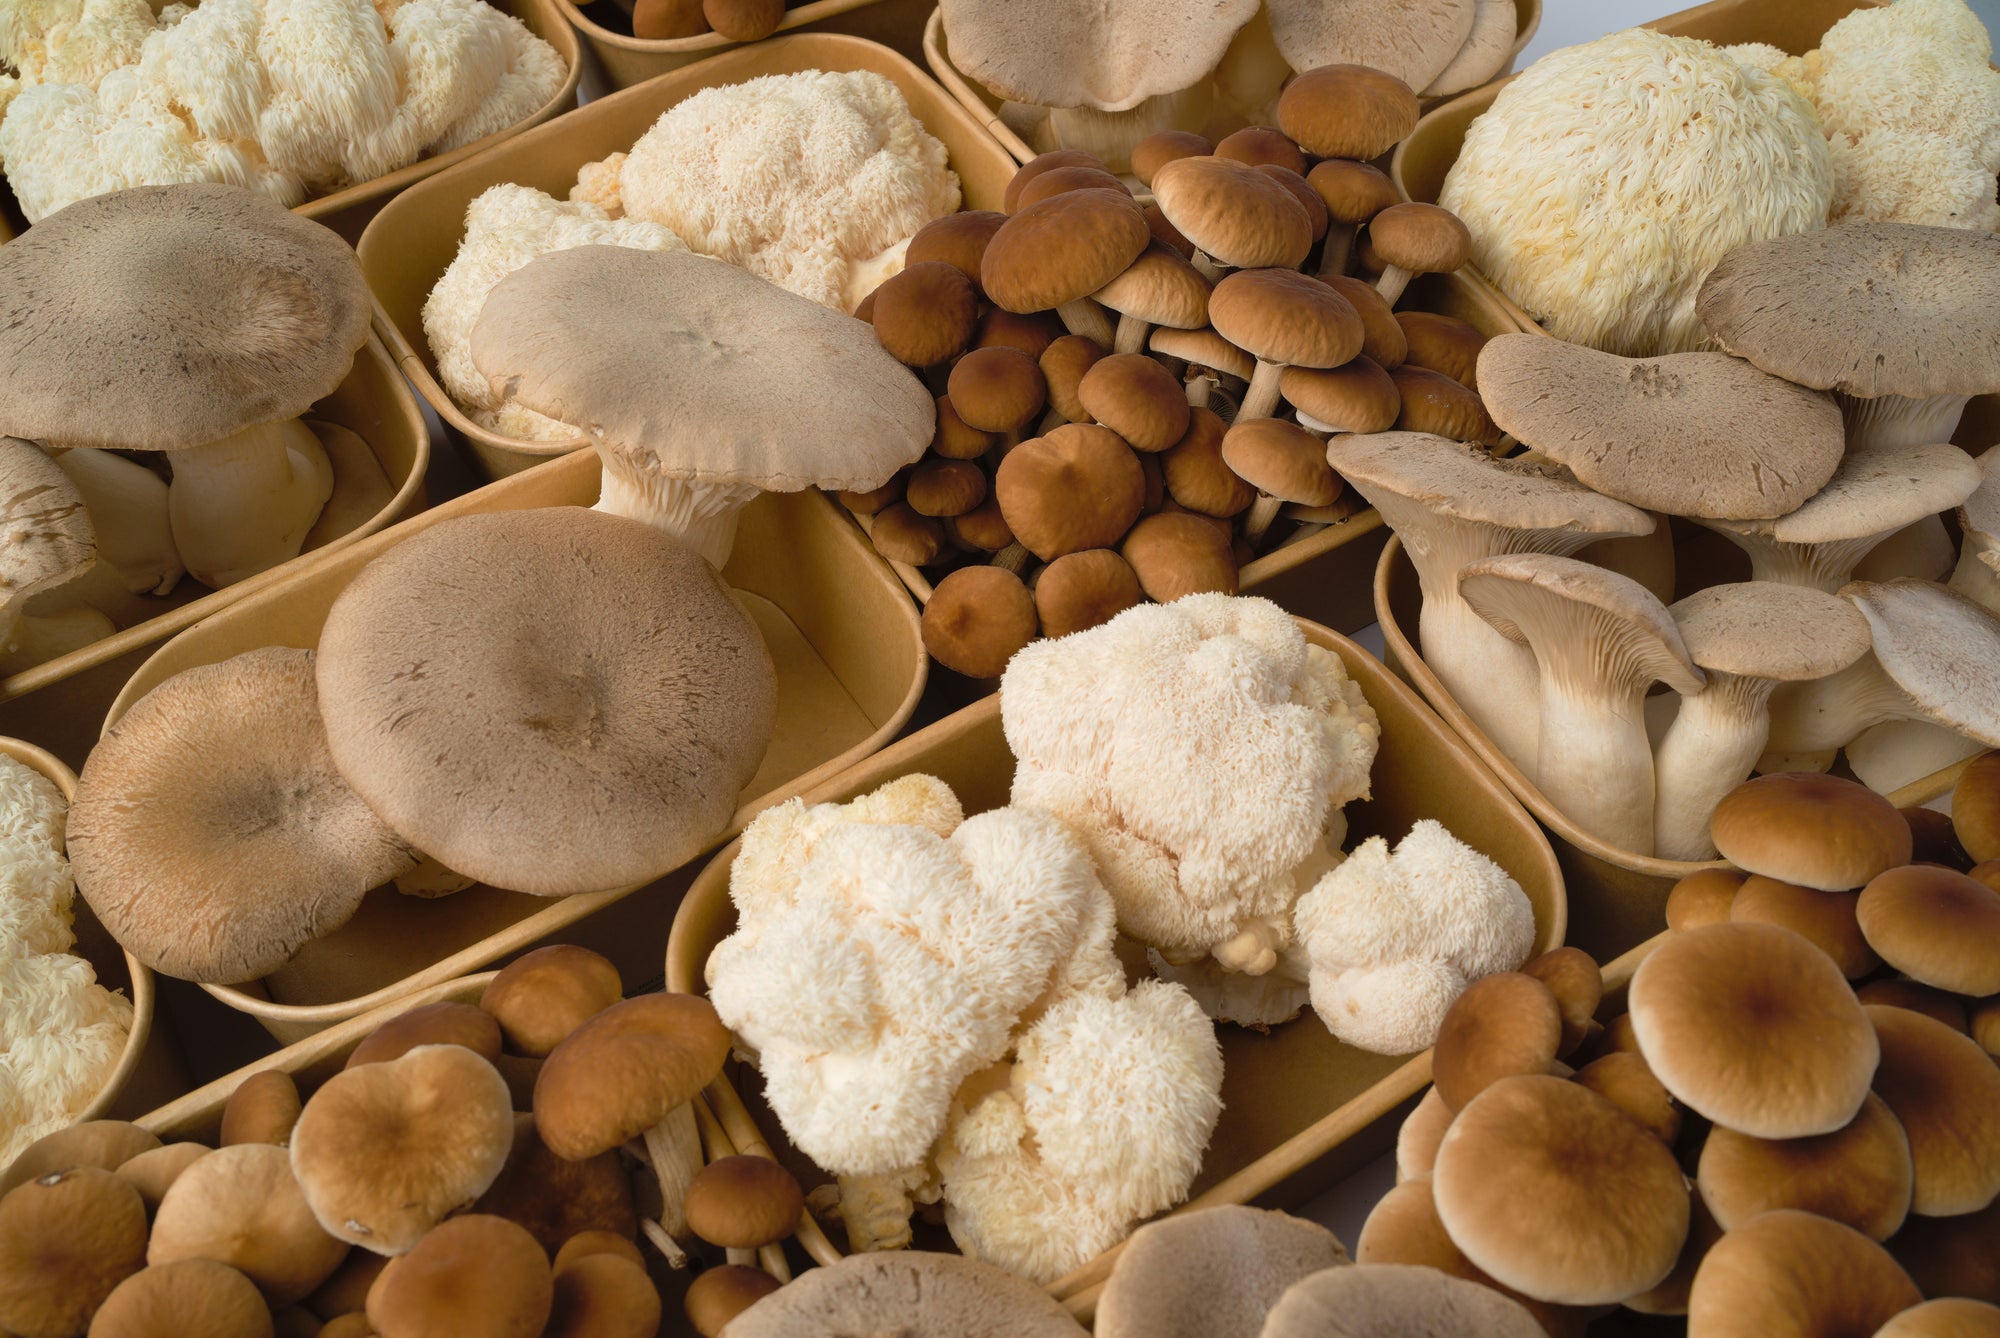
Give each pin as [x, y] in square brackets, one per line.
[1936, 926]
[1175, 554]
[1031, 332]
[1355, 397]
[242, 1206]
[744, 20]
[958, 240]
[1502, 1025]
[473, 1274]
[1936, 1004]
[1946, 1091]
[623, 1071]
[718, 1295]
[182, 1299]
[1196, 475]
[1824, 919]
[1860, 1175]
[1256, 145]
[1137, 398]
[1078, 487]
[954, 439]
[1288, 318]
[1063, 248]
[542, 996]
[901, 535]
[1443, 344]
[66, 1239]
[1233, 212]
[262, 1109]
[603, 1296]
[1064, 365]
[1421, 238]
[976, 619]
[982, 529]
[926, 314]
[1160, 288]
[1047, 162]
[1382, 339]
[945, 487]
[443, 1023]
[997, 389]
[1280, 459]
[1347, 111]
[1079, 591]
[744, 1202]
[1703, 898]
[1161, 147]
[1814, 830]
[1626, 1082]
[1975, 808]
[1792, 1272]
[1353, 192]
[1572, 975]
[1432, 402]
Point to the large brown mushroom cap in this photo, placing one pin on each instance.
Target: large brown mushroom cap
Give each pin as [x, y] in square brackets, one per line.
[104, 1144]
[976, 619]
[620, 1073]
[1936, 926]
[1860, 1174]
[1061, 249]
[472, 1275]
[1233, 212]
[1824, 919]
[909, 1293]
[1378, 1300]
[1813, 830]
[1078, 487]
[550, 701]
[1079, 591]
[1137, 398]
[603, 1296]
[1175, 554]
[542, 996]
[212, 834]
[1946, 1092]
[1794, 1273]
[1284, 317]
[66, 1239]
[262, 1109]
[1502, 1025]
[1348, 112]
[1946, 1317]
[193, 310]
[1110, 57]
[241, 1206]
[744, 1202]
[1280, 459]
[1210, 1274]
[180, 1300]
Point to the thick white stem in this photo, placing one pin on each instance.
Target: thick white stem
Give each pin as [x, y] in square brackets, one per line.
[1208, 266]
[745, 1258]
[1595, 764]
[1492, 678]
[701, 515]
[1262, 512]
[1709, 750]
[1977, 575]
[1921, 550]
[1084, 317]
[1898, 420]
[1646, 558]
[1131, 336]
[1828, 712]
[1339, 245]
[1392, 283]
[1262, 398]
[1200, 386]
[127, 503]
[244, 504]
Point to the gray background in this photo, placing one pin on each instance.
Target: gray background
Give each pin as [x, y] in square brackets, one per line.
[1566, 22]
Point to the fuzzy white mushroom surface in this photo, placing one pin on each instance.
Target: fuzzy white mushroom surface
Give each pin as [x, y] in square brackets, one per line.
[1394, 938]
[1201, 749]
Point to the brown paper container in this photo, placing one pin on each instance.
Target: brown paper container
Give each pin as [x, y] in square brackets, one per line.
[851, 666]
[985, 107]
[347, 212]
[71, 692]
[1299, 1109]
[415, 237]
[629, 60]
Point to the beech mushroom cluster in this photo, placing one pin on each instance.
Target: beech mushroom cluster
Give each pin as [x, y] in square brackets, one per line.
[737, 20]
[1133, 389]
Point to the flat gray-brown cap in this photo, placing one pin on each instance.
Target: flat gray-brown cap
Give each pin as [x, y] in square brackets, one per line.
[1412, 39]
[211, 833]
[1465, 483]
[1765, 629]
[549, 701]
[1107, 54]
[171, 316]
[1940, 648]
[1394, 1300]
[911, 1294]
[1210, 1274]
[45, 534]
[1864, 308]
[1690, 434]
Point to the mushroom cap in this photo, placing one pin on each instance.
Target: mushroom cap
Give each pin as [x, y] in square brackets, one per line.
[1432, 402]
[1443, 344]
[1418, 1137]
[982, 529]
[1281, 459]
[1213, 1272]
[1625, 1080]
[212, 834]
[1975, 808]
[556, 1199]
[1769, 630]
[1196, 475]
[1031, 331]
[1010, 199]
[1356, 397]
[153, 1173]
[718, 1295]
[262, 1109]
[1864, 308]
[1261, 146]
[1941, 649]
[1079, 591]
[959, 240]
[700, 370]
[1063, 248]
[241, 1206]
[1382, 338]
[66, 1240]
[623, 1071]
[1420, 237]
[1160, 288]
[743, 1202]
[1691, 434]
[1294, 181]
[1375, 1300]
[1612, 1206]
[1057, 180]
[1353, 192]
[1755, 1029]
[1111, 57]
[910, 1293]
[997, 389]
[1936, 926]
[945, 487]
[901, 535]
[1631, 633]
[1281, 316]
[1161, 147]
[1502, 1025]
[603, 1296]
[1573, 976]
[1233, 212]
[1814, 830]
[1936, 1004]
[1137, 398]
[1827, 920]
[1412, 40]
[1703, 898]
[1203, 348]
[596, 1242]
[385, 1150]
[472, 1274]
[1793, 1272]
[542, 996]
[1339, 111]
[1078, 487]
[199, 310]
[549, 701]
[976, 619]
[443, 1023]
[1064, 364]
[1946, 1092]
[188, 1296]
[104, 1144]
[926, 314]
[1946, 1317]
[1176, 554]
[1454, 481]
[1875, 492]
[1860, 1174]
[46, 535]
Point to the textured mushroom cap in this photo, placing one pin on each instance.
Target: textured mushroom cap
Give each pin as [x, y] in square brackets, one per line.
[1357, 397]
[1062, 248]
[1827, 920]
[1347, 112]
[1353, 192]
[1443, 344]
[1941, 649]
[1863, 308]
[623, 1071]
[1859, 1174]
[1197, 477]
[976, 619]
[1079, 591]
[1702, 898]
[1631, 632]
[1936, 926]
[1432, 402]
[186, 1297]
[1233, 212]
[153, 1173]
[1874, 492]
[1946, 1092]
[549, 701]
[1176, 554]
[242, 1207]
[925, 314]
[1813, 830]
[473, 1274]
[1794, 1273]
[1692, 434]
[1626, 1082]
[1294, 181]
[198, 310]
[46, 536]
[1210, 1274]
[1946, 1317]
[909, 1293]
[1285, 317]
[1501, 1026]
[1454, 481]
[1412, 40]
[1975, 808]
[997, 389]
[1161, 288]
[1384, 1300]
[1137, 398]
[557, 1200]
[443, 1023]
[1612, 1209]
[1064, 364]
[603, 1296]
[945, 487]
[1766, 629]
[1282, 459]
[1078, 487]
[1382, 340]
[1755, 1029]
[1031, 332]
[1161, 147]
[743, 1202]
[959, 240]
[262, 1109]
[1058, 180]
[1203, 348]
[719, 1295]
[211, 833]
[543, 996]
[385, 1150]
[66, 1239]
[700, 370]
[1262, 146]
[104, 1144]
[1111, 57]
[901, 535]
[1420, 237]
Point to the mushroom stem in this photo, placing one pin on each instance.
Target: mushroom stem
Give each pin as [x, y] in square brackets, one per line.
[1084, 317]
[746, 1258]
[669, 1248]
[1207, 266]
[1260, 515]
[1921, 549]
[1339, 246]
[1899, 420]
[1977, 575]
[1392, 283]
[1890, 755]
[674, 1147]
[244, 503]
[1014, 557]
[1131, 336]
[1708, 751]
[1262, 398]
[1492, 678]
[127, 503]
[701, 515]
[1828, 712]
[1594, 761]
[772, 1257]
[1201, 384]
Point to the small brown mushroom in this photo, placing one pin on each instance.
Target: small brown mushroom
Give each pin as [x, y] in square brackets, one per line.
[1175, 554]
[1793, 1272]
[1079, 591]
[1860, 1175]
[1161, 147]
[959, 240]
[943, 488]
[105, 1144]
[1501, 1025]
[66, 1240]
[1078, 487]
[242, 1206]
[189, 1298]
[744, 20]
[1443, 344]
[1624, 1080]
[744, 1203]
[262, 1109]
[1702, 898]
[927, 314]
[1417, 239]
[603, 1296]
[1946, 1092]
[1137, 398]
[901, 535]
[719, 1295]
[442, 1023]
[1824, 919]
[544, 995]
[556, 1198]
[472, 1274]
[1936, 926]
[1283, 462]
[976, 618]
[153, 1173]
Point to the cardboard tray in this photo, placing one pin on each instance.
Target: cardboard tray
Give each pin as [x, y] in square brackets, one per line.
[851, 667]
[629, 60]
[59, 703]
[415, 237]
[347, 211]
[1299, 1109]
[984, 106]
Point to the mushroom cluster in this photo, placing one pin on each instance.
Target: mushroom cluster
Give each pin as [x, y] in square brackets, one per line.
[550, 701]
[674, 20]
[1834, 1136]
[1132, 389]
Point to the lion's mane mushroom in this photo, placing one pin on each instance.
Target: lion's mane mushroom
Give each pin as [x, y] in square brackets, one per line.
[211, 833]
[550, 701]
[700, 384]
[911, 1293]
[1207, 691]
[211, 317]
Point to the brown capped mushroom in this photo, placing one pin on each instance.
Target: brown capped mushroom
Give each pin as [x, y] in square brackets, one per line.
[1936, 926]
[1443, 344]
[443, 1023]
[1054, 254]
[1946, 1092]
[926, 314]
[262, 1109]
[1283, 462]
[1159, 288]
[744, 1203]
[1234, 214]
[1816, 831]
[241, 1206]
[959, 240]
[180, 1300]
[1176, 554]
[1135, 397]
[1860, 1174]
[556, 1198]
[1353, 193]
[1078, 487]
[66, 1240]
[1079, 591]
[542, 996]
[1824, 919]
[1702, 898]
[719, 1295]
[1793, 1272]
[976, 618]
[603, 1296]
[1501, 1025]
[1283, 319]
[104, 1144]
[1417, 239]
[472, 1274]
[153, 1173]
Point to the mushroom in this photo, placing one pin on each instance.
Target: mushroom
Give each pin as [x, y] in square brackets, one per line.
[1946, 1317]
[1058, 180]
[699, 384]
[1052, 255]
[1356, 397]
[1600, 640]
[1215, 1273]
[472, 1274]
[1418, 1137]
[1977, 574]
[1816, 831]
[211, 833]
[1485, 54]
[153, 1173]
[911, 1293]
[1572, 975]
[1623, 1079]
[544, 995]
[213, 317]
[1503, 1024]
[1079, 591]
[1367, 1299]
[1936, 1004]
[1404, 1228]
[1208, 358]
[262, 1109]
[1702, 898]
[1161, 147]
[1936, 926]
[1159, 288]
[67, 1239]
[926, 314]
[471, 676]
[744, 1204]
[1283, 462]
[1945, 1090]
[943, 488]
[1877, 313]
[46, 533]
[1443, 344]
[976, 618]
[1078, 487]
[959, 240]
[1174, 554]
[104, 1144]
[1827, 920]
[1234, 214]
[442, 1023]
[1428, 401]
[718, 1295]
[1975, 810]
[1859, 1175]
[557, 1199]
[1746, 639]
[603, 1296]
[1691, 434]
[1283, 319]
[1135, 397]
[240, 1206]
[1453, 505]
[188, 1296]
[1353, 193]
[1196, 475]
[1064, 364]
[1416, 239]
[1055, 159]
[1794, 1272]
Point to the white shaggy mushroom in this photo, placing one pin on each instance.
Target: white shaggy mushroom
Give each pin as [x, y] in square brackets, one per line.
[1394, 938]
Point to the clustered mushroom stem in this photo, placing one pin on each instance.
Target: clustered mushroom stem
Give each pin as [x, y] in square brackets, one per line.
[746, 1258]
[1594, 761]
[1339, 245]
[1086, 318]
[1977, 575]
[773, 1259]
[1207, 265]
[1201, 384]
[1899, 420]
[1709, 750]
[1492, 678]
[1262, 398]
[1392, 283]
[1828, 712]
[1262, 512]
[674, 1147]
[1131, 336]
[1014, 558]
